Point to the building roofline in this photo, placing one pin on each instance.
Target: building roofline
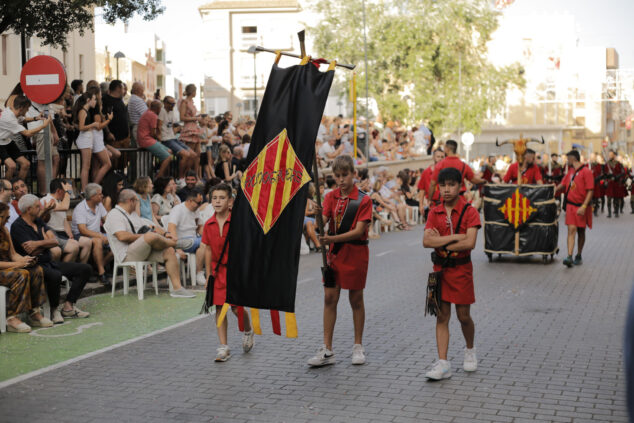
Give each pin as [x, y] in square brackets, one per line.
[249, 4]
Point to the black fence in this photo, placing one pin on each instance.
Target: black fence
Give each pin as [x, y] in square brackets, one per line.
[140, 162]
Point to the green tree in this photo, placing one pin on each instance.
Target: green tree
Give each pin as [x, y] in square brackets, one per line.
[415, 51]
[52, 20]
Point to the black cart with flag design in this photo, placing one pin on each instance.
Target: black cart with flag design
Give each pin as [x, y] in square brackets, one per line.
[521, 220]
[268, 214]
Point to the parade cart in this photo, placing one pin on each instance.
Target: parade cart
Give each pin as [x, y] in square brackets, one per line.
[521, 220]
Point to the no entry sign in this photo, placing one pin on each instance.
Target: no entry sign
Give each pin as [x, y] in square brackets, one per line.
[43, 79]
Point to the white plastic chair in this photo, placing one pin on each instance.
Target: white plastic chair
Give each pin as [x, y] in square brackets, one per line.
[139, 266]
[411, 214]
[185, 267]
[3, 308]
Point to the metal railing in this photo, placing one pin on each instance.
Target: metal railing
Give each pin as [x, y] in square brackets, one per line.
[140, 162]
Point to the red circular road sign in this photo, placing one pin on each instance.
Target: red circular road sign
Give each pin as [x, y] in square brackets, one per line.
[43, 79]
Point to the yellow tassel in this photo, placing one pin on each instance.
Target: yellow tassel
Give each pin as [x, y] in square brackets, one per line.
[291, 325]
[223, 314]
[305, 60]
[255, 321]
[278, 55]
[333, 63]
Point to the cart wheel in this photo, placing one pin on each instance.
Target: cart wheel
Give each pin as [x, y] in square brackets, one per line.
[490, 256]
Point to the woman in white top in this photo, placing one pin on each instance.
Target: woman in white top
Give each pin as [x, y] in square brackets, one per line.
[165, 197]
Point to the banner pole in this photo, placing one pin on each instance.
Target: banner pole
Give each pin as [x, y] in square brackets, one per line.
[354, 111]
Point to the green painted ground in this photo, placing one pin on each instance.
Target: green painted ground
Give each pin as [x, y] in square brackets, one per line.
[112, 320]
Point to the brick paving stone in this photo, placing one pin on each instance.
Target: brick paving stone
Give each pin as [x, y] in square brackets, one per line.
[548, 339]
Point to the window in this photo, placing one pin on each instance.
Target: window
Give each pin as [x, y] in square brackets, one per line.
[159, 81]
[4, 54]
[249, 29]
[81, 66]
[159, 55]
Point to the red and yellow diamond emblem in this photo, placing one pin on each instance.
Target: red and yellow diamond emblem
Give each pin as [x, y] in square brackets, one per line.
[517, 209]
[272, 180]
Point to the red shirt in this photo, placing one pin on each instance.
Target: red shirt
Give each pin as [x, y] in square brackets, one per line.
[15, 206]
[425, 182]
[456, 163]
[457, 282]
[350, 264]
[530, 175]
[212, 238]
[582, 182]
[147, 123]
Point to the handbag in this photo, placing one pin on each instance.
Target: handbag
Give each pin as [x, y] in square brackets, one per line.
[432, 297]
[209, 291]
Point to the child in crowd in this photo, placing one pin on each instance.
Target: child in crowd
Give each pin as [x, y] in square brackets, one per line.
[451, 230]
[216, 254]
[348, 213]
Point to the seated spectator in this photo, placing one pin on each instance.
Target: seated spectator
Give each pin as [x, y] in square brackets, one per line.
[154, 244]
[309, 219]
[88, 217]
[168, 123]
[5, 198]
[25, 281]
[143, 188]
[165, 197]
[31, 236]
[72, 249]
[388, 205]
[113, 183]
[405, 190]
[328, 151]
[225, 168]
[191, 180]
[149, 132]
[10, 153]
[184, 223]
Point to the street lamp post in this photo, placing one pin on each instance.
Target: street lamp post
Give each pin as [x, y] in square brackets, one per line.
[118, 55]
[253, 50]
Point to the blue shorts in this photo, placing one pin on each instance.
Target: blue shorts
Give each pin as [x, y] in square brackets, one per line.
[175, 145]
[194, 247]
[158, 150]
[308, 219]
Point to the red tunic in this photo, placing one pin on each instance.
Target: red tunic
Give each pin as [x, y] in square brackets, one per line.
[597, 173]
[616, 174]
[212, 238]
[425, 182]
[456, 163]
[583, 181]
[350, 264]
[530, 176]
[457, 282]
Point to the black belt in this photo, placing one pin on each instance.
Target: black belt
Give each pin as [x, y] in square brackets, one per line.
[449, 261]
[354, 242]
[574, 204]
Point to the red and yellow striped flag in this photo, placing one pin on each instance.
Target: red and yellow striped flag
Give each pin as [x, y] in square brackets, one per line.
[272, 180]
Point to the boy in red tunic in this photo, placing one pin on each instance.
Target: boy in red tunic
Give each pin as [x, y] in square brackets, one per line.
[425, 182]
[578, 186]
[452, 229]
[453, 160]
[348, 212]
[530, 171]
[214, 236]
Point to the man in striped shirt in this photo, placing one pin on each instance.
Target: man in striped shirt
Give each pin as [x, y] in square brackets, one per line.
[136, 107]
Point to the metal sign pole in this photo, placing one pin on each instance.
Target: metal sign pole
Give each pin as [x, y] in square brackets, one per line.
[48, 163]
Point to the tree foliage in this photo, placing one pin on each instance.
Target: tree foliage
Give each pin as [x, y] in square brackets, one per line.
[52, 20]
[415, 50]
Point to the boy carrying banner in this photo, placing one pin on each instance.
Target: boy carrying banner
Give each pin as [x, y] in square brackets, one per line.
[452, 229]
[216, 252]
[348, 212]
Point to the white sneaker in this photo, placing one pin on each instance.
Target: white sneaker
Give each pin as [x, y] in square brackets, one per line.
[247, 341]
[358, 356]
[470, 363]
[56, 317]
[200, 279]
[323, 357]
[223, 353]
[440, 370]
[182, 293]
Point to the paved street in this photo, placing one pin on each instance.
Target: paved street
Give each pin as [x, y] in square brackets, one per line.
[548, 339]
